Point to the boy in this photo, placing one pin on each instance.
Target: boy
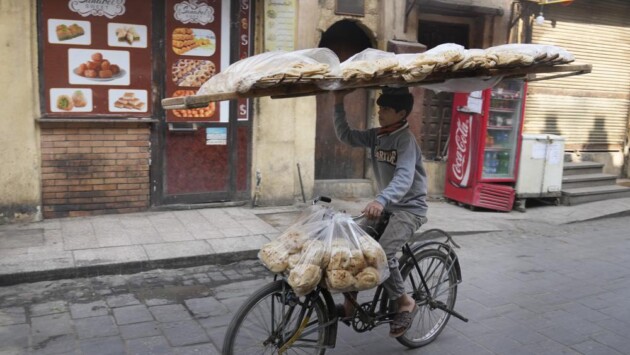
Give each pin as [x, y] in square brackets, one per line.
[397, 163]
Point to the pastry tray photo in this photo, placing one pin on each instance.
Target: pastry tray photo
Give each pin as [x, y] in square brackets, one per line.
[306, 86]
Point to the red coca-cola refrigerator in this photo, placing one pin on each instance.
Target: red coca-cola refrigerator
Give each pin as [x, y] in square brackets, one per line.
[484, 146]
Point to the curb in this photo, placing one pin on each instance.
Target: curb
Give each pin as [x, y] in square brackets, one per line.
[125, 268]
[133, 267]
[605, 216]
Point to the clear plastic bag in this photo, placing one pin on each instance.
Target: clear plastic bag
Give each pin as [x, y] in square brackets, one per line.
[327, 248]
[269, 68]
[357, 261]
[475, 58]
[439, 58]
[516, 54]
[368, 64]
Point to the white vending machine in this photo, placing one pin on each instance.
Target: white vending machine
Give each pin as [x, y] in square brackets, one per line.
[540, 168]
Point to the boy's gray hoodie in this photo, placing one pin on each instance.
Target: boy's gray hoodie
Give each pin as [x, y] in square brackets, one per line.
[397, 163]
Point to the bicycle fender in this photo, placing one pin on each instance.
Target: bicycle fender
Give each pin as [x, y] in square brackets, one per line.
[439, 246]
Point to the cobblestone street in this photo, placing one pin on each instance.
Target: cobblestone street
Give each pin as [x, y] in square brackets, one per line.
[543, 290]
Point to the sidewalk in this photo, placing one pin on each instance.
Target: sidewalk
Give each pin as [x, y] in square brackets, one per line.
[129, 243]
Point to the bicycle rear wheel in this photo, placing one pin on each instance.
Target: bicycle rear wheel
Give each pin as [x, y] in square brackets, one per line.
[440, 275]
[268, 320]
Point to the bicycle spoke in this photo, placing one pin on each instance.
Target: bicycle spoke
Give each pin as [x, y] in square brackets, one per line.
[440, 283]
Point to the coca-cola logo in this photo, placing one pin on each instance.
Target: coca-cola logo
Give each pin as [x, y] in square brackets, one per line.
[461, 165]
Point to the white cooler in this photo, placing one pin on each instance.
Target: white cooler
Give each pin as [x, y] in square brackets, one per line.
[540, 166]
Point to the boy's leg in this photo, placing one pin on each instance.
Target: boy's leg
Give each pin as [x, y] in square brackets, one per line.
[401, 227]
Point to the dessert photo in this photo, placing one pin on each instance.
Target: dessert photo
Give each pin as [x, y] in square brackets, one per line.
[194, 42]
[207, 111]
[98, 67]
[127, 100]
[71, 100]
[70, 32]
[126, 35]
[192, 72]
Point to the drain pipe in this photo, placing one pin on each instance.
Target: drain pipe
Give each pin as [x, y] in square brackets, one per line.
[301, 184]
[258, 188]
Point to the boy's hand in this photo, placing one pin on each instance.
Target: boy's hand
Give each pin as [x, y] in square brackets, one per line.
[373, 210]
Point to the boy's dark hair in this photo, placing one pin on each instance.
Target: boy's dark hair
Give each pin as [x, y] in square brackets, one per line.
[396, 98]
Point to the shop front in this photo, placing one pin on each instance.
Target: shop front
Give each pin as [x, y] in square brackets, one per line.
[106, 144]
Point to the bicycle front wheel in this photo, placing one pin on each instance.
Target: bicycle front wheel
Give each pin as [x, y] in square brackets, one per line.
[274, 319]
[440, 275]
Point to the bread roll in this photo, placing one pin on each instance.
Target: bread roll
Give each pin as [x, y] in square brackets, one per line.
[293, 240]
[339, 280]
[375, 257]
[357, 262]
[373, 252]
[366, 279]
[304, 278]
[313, 252]
[339, 258]
[293, 260]
[340, 243]
[274, 256]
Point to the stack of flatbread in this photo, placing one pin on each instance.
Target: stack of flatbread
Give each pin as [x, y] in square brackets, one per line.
[296, 70]
[321, 66]
[439, 58]
[368, 69]
[475, 59]
[518, 55]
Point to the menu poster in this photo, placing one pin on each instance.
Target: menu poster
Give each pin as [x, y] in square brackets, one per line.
[244, 22]
[280, 24]
[93, 54]
[193, 54]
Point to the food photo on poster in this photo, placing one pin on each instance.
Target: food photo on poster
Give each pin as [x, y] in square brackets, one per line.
[70, 32]
[126, 35]
[71, 100]
[127, 100]
[192, 72]
[202, 112]
[193, 41]
[98, 67]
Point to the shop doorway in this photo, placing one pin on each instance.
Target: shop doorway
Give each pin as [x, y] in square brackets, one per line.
[204, 153]
[436, 107]
[333, 159]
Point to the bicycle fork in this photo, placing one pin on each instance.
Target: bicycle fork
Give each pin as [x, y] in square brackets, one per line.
[433, 303]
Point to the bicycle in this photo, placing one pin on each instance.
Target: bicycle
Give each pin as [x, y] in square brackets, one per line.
[275, 321]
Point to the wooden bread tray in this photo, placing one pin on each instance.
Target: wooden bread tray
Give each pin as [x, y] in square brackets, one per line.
[296, 87]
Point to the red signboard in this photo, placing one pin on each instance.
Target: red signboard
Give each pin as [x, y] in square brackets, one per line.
[242, 113]
[96, 58]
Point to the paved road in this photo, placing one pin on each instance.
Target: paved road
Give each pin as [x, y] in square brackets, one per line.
[543, 290]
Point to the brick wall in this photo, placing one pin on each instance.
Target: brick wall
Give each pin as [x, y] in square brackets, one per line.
[94, 168]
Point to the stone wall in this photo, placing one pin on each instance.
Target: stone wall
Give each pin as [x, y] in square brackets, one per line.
[19, 155]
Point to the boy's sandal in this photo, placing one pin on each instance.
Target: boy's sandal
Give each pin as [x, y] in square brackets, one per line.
[341, 315]
[402, 321]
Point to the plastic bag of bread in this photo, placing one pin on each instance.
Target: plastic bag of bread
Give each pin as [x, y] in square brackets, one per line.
[327, 248]
[368, 64]
[272, 68]
[284, 253]
[304, 278]
[357, 262]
